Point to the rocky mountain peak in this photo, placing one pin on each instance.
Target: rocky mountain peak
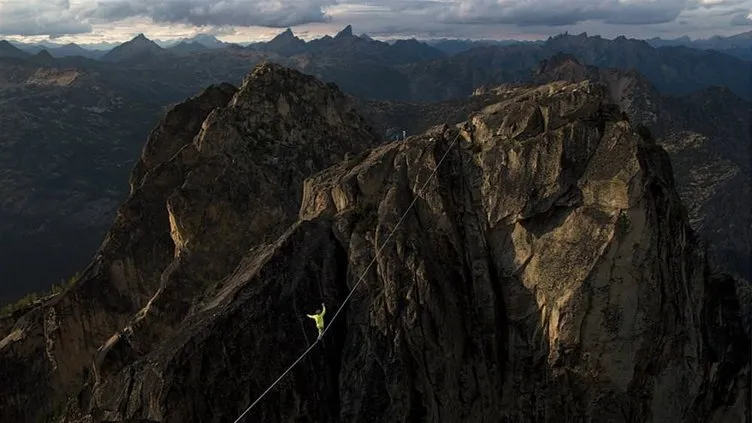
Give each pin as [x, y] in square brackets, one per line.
[44, 57]
[540, 264]
[287, 34]
[630, 90]
[346, 32]
[286, 43]
[137, 48]
[140, 38]
[562, 66]
[222, 173]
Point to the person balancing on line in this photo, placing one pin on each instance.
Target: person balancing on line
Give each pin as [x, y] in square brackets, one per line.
[319, 318]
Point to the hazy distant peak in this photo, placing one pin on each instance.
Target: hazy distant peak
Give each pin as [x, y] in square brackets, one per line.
[43, 54]
[207, 40]
[137, 46]
[9, 50]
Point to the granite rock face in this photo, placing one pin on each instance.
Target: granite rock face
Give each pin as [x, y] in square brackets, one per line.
[707, 137]
[533, 264]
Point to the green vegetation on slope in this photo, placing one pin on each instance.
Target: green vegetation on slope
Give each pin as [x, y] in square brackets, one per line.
[31, 298]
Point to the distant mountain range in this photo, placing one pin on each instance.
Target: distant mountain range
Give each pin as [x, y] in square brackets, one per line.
[64, 50]
[716, 42]
[739, 45]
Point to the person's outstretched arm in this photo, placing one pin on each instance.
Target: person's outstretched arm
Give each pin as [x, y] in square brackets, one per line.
[323, 309]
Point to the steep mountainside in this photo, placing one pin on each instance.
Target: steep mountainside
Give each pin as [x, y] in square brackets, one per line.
[237, 183]
[69, 133]
[286, 43]
[546, 273]
[707, 136]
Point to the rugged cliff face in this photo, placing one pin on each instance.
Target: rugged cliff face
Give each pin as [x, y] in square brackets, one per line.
[546, 273]
[708, 139]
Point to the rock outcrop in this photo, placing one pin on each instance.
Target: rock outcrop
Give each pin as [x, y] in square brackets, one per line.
[543, 271]
[708, 139]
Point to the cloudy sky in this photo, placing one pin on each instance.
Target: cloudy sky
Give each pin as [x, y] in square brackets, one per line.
[92, 21]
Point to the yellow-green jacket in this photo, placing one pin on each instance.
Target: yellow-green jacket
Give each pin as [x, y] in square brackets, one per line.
[319, 318]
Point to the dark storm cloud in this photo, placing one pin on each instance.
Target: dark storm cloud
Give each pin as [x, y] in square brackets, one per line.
[563, 12]
[447, 17]
[45, 17]
[268, 13]
[516, 18]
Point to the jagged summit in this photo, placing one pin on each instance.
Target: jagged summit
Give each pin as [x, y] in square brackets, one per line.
[346, 32]
[583, 39]
[286, 43]
[286, 34]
